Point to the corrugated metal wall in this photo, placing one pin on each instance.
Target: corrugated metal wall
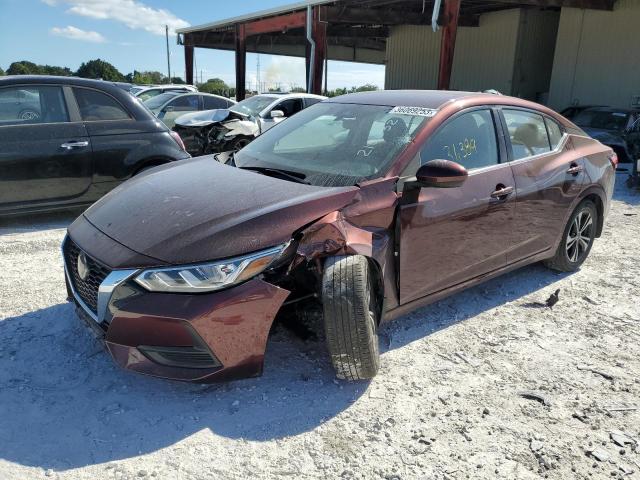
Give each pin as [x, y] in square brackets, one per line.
[534, 54]
[412, 58]
[484, 55]
[597, 59]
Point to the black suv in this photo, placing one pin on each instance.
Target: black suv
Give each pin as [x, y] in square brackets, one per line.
[65, 142]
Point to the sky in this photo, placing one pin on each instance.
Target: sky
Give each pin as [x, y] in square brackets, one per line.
[130, 35]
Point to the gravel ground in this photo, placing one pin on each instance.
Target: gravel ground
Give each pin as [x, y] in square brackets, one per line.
[448, 402]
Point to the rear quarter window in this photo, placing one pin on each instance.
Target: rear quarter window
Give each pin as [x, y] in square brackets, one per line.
[96, 106]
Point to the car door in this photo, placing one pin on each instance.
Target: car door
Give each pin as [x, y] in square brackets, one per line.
[116, 137]
[450, 235]
[289, 107]
[45, 155]
[548, 177]
[179, 106]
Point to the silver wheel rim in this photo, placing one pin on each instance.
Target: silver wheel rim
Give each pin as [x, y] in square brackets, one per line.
[579, 236]
[29, 115]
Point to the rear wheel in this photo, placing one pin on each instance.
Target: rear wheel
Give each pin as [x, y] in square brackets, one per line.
[577, 239]
[351, 312]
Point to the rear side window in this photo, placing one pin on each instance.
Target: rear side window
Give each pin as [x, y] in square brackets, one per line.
[214, 102]
[527, 132]
[469, 139]
[311, 101]
[555, 133]
[184, 103]
[32, 104]
[95, 106]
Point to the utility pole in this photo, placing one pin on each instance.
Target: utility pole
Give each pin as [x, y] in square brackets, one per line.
[166, 34]
[258, 74]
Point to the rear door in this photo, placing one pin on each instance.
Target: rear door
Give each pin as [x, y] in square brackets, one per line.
[451, 235]
[548, 177]
[44, 155]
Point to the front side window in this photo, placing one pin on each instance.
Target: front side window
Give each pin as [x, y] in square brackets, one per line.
[527, 132]
[469, 139]
[32, 104]
[97, 106]
[289, 107]
[334, 144]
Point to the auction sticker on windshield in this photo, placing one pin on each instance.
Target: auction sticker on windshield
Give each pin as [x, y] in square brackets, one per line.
[420, 111]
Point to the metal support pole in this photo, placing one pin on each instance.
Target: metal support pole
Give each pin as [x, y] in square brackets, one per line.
[188, 64]
[241, 62]
[448, 45]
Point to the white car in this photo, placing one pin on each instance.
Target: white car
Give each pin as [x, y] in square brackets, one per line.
[213, 131]
[170, 105]
[146, 92]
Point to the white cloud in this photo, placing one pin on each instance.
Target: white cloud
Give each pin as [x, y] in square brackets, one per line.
[78, 34]
[135, 15]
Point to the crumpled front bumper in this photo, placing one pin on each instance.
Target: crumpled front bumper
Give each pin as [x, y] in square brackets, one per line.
[232, 324]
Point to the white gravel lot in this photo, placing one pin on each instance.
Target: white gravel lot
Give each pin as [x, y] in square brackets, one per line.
[446, 404]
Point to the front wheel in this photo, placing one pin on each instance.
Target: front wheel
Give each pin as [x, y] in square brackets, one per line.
[239, 143]
[351, 312]
[577, 239]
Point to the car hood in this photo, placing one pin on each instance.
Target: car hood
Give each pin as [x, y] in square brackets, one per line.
[207, 117]
[199, 209]
[608, 137]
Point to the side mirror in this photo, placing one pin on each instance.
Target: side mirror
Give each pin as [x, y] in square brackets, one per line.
[277, 114]
[441, 174]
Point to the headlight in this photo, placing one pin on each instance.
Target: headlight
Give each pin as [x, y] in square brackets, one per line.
[207, 277]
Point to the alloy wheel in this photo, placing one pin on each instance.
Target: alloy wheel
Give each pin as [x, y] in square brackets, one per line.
[29, 115]
[579, 236]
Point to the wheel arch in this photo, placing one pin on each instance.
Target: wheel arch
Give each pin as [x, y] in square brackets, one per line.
[596, 196]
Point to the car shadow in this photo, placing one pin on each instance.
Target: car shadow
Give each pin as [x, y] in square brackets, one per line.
[64, 404]
[511, 287]
[37, 222]
[622, 193]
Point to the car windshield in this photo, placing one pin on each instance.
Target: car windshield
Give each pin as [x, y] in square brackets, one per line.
[604, 119]
[254, 105]
[334, 144]
[156, 102]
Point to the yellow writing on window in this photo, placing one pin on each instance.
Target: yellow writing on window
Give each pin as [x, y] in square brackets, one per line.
[461, 150]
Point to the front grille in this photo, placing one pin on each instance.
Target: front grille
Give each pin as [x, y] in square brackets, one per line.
[86, 289]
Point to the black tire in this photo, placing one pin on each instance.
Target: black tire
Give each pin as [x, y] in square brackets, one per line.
[351, 314]
[571, 254]
[239, 143]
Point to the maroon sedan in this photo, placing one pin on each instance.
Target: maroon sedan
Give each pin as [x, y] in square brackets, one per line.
[366, 206]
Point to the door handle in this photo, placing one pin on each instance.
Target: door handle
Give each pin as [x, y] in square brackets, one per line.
[575, 169]
[75, 144]
[502, 193]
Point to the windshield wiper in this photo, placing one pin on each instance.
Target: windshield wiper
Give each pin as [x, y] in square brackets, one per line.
[278, 172]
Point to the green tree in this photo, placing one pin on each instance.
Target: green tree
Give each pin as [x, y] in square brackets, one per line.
[177, 81]
[1, 72]
[99, 69]
[146, 78]
[23, 67]
[214, 85]
[298, 90]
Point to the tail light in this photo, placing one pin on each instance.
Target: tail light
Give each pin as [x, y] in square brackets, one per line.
[613, 158]
[177, 139]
